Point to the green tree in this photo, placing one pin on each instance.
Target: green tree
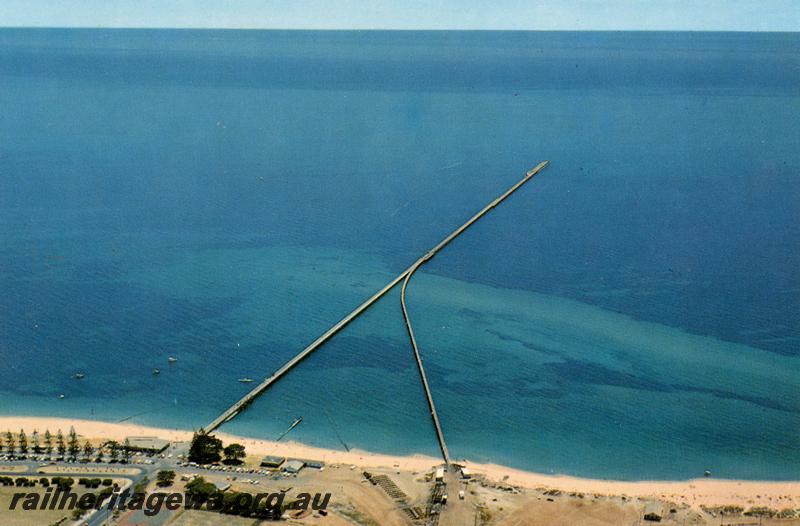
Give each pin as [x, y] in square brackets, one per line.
[73, 446]
[234, 453]
[48, 442]
[232, 504]
[37, 447]
[113, 451]
[63, 482]
[22, 438]
[88, 450]
[205, 448]
[200, 490]
[61, 447]
[11, 447]
[165, 478]
[126, 450]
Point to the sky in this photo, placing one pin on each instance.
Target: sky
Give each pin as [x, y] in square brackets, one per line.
[690, 15]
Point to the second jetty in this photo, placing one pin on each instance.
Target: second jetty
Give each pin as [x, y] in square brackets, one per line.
[248, 398]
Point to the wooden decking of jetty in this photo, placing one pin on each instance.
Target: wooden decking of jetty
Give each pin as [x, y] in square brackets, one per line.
[248, 398]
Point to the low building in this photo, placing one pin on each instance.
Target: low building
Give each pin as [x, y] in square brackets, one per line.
[466, 473]
[315, 464]
[147, 444]
[222, 485]
[293, 466]
[439, 475]
[272, 462]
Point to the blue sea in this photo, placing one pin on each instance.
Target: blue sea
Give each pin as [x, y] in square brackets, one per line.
[225, 196]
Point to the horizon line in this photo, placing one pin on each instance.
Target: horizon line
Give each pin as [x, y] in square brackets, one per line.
[379, 29]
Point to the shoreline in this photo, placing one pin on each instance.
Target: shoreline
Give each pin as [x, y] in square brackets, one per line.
[693, 492]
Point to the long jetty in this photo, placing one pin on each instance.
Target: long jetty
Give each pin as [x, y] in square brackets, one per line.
[421, 261]
[248, 398]
[425, 386]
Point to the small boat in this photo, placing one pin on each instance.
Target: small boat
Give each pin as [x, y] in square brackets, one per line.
[156, 371]
[61, 397]
[79, 376]
[172, 359]
[246, 380]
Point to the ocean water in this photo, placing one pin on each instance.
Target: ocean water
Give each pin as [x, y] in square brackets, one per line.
[225, 196]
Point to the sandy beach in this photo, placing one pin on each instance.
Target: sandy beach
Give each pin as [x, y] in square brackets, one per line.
[694, 492]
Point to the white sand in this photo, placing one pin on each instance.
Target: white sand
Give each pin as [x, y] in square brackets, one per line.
[706, 491]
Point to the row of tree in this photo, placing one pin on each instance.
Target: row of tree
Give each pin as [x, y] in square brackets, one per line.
[61, 482]
[20, 444]
[47, 444]
[206, 449]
